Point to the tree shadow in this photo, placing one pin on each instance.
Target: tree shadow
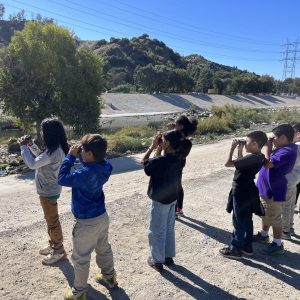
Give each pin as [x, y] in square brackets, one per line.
[279, 267]
[174, 99]
[202, 290]
[201, 96]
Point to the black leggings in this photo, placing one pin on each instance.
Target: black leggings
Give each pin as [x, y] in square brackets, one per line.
[298, 192]
[180, 196]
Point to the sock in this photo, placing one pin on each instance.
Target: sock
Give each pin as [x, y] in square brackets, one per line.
[277, 241]
[264, 233]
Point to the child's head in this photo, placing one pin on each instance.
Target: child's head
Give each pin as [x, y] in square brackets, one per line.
[185, 125]
[255, 140]
[54, 135]
[283, 135]
[93, 148]
[171, 140]
[296, 132]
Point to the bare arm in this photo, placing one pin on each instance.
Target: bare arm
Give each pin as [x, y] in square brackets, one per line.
[266, 150]
[240, 150]
[150, 149]
[229, 162]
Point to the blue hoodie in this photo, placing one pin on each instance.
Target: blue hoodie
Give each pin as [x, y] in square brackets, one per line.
[87, 183]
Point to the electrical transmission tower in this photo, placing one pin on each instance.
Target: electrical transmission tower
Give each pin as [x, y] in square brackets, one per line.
[290, 58]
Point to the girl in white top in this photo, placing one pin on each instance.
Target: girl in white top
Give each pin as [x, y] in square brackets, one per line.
[46, 164]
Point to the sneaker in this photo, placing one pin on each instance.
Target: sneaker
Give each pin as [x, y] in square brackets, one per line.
[179, 212]
[169, 261]
[248, 250]
[274, 249]
[286, 235]
[258, 238]
[52, 258]
[156, 266]
[231, 253]
[110, 283]
[71, 294]
[45, 251]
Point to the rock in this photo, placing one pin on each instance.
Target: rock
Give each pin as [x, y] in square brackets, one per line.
[13, 147]
[14, 163]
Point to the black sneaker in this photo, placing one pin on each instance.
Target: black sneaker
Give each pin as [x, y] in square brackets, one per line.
[274, 249]
[258, 238]
[286, 236]
[231, 253]
[156, 266]
[248, 250]
[169, 261]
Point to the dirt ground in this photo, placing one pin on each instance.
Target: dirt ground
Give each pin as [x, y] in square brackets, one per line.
[200, 272]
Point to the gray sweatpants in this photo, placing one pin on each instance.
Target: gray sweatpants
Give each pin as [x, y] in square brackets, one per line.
[90, 235]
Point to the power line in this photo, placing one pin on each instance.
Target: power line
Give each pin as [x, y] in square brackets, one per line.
[177, 24]
[158, 30]
[93, 25]
[180, 38]
[170, 35]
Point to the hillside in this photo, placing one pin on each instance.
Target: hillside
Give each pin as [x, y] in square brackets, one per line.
[144, 64]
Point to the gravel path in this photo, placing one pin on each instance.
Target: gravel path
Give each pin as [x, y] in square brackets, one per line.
[200, 272]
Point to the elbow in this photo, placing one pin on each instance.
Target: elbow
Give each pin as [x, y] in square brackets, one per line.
[60, 180]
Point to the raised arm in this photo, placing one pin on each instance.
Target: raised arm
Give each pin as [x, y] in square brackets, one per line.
[229, 161]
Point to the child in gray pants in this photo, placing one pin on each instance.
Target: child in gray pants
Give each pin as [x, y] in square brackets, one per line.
[90, 231]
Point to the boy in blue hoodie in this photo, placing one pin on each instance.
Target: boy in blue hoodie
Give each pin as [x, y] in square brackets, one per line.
[90, 231]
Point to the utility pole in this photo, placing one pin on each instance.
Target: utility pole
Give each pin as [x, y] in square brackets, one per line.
[290, 58]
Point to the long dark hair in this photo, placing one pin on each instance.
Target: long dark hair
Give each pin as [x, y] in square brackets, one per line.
[189, 126]
[54, 135]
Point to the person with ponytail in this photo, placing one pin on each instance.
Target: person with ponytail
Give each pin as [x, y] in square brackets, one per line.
[46, 164]
[186, 127]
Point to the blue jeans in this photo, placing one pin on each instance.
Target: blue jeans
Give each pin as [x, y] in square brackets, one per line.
[161, 232]
[242, 235]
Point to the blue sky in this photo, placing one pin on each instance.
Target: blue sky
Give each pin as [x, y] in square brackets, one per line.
[248, 34]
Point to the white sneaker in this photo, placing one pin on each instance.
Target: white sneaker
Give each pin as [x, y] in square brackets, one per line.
[45, 251]
[52, 258]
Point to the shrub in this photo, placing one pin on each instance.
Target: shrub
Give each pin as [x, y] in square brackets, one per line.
[213, 125]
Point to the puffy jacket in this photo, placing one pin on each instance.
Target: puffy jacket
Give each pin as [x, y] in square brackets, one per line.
[87, 186]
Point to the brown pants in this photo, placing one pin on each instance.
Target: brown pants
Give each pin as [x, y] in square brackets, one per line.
[53, 224]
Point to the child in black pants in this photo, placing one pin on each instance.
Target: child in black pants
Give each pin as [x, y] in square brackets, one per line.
[244, 199]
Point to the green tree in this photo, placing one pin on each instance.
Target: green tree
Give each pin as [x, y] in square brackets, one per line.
[80, 107]
[144, 78]
[42, 75]
[205, 80]
[218, 85]
[267, 84]
[180, 81]
[152, 78]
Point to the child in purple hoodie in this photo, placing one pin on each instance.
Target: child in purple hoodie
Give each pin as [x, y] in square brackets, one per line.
[272, 185]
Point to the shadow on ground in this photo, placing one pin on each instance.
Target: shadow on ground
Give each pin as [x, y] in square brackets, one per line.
[92, 294]
[280, 267]
[200, 289]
